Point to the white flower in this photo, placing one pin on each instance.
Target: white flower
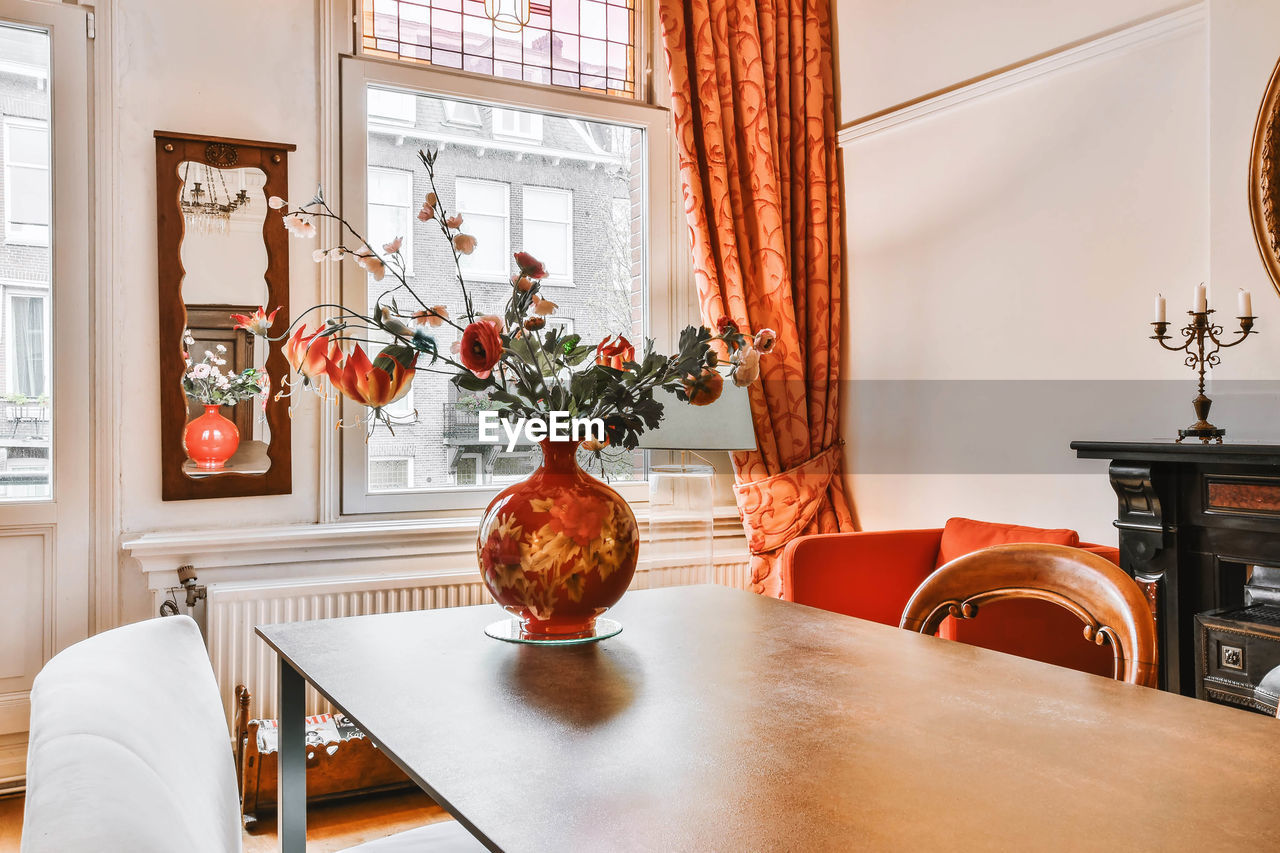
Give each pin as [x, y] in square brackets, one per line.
[219, 361]
[299, 225]
[319, 255]
[208, 354]
[275, 202]
[200, 371]
[220, 348]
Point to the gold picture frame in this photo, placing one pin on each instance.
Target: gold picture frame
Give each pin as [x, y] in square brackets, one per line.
[1264, 179]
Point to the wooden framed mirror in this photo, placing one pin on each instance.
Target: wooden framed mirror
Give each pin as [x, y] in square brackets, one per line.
[1264, 179]
[222, 251]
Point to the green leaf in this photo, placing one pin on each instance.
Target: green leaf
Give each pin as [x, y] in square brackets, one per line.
[471, 382]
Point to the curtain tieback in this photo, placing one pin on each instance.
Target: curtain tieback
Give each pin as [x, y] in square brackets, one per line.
[778, 508]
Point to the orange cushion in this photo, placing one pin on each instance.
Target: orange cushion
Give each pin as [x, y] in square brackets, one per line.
[964, 536]
[1026, 627]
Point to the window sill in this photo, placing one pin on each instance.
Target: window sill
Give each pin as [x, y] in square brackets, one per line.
[346, 549]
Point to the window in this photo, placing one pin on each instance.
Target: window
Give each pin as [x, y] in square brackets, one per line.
[486, 214]
[392, 107]
[517, 124]
[548, 225]
[391, 212]
[581, 44]
[467, 469]
[573, 182]
[390, 473]
[26, 182]
[27, 354]
[461, 115]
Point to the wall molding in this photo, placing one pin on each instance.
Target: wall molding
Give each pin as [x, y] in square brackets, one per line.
[1119, 39]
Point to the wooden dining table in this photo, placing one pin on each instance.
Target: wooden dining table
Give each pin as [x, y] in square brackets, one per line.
[719, 720]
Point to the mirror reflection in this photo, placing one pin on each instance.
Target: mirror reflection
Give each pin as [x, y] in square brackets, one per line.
[224, 261]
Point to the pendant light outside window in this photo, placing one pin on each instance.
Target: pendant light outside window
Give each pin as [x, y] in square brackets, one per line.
[508, 15]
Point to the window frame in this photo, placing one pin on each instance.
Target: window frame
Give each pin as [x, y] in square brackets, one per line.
[22, 234]
[668, 299]
[555, 278]
[460, 196]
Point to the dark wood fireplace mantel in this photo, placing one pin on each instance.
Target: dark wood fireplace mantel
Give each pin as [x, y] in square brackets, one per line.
[1193, 519]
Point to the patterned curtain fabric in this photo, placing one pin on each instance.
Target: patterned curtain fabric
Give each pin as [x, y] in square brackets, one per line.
[753, 100]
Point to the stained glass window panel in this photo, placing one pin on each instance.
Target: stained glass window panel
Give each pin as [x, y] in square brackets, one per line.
[581, 44]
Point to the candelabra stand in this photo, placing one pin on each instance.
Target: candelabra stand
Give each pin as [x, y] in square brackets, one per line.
[1200, 356]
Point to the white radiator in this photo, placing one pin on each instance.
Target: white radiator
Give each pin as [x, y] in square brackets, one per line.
[239, 656]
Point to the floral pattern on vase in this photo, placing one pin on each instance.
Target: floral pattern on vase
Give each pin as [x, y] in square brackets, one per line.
[211, 439]
[559, 548]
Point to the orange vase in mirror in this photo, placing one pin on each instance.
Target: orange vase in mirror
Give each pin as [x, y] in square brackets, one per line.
[211, 439]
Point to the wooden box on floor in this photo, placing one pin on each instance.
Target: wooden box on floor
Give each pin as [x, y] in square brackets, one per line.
[348, 766]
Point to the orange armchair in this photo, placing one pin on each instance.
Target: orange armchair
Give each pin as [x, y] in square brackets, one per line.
[871, 575]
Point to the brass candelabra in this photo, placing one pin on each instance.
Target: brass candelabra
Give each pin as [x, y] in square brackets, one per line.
[1200, 356]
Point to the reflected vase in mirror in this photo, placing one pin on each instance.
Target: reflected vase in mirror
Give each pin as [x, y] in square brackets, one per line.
[211, 440]
[222, 253]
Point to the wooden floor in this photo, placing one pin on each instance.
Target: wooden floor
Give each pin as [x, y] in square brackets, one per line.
[330, 826]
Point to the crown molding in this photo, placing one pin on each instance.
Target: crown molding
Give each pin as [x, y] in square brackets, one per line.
[1157, 27]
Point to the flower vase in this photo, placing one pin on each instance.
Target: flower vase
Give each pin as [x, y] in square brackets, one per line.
[211, 439]
[558, 548]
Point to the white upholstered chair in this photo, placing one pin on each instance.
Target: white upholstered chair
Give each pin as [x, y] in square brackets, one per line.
[129, 751]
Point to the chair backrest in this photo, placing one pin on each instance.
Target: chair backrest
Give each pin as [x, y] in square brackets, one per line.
[129, 749]
[1105, 599]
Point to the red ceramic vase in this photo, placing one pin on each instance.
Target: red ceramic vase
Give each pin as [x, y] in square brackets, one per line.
[558, 548]
[211, 439]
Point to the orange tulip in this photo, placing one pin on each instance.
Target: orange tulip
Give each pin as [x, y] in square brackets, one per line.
[312, 356]
[380, 382]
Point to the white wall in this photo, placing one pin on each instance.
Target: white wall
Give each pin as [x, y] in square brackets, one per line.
[892, 51]
[246, 70]
[1023, 233]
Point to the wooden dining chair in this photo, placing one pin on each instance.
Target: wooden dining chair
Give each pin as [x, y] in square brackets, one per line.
[1106, 599]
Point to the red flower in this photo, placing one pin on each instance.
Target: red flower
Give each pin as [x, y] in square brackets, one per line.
[481, 348]
[500, 550]
[614, 351]
[581, 521]
[725, 325]
[704, 389]
[530, 266]
[380, 382]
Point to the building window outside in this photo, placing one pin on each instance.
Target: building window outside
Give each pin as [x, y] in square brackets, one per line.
[26, 181]
[391, 210]
[486, 214]
[390, 473]
[27, 353]
[580, 44]
[461, 114]
[517, 124]
[548, 224]
[392, 107]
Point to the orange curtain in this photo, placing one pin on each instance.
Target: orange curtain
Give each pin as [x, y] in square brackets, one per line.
[753, 101]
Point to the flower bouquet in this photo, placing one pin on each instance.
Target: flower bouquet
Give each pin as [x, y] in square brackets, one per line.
[559, 548]
[211, 439]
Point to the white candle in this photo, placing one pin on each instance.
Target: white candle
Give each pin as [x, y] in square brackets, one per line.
[1202, 299]
[1160, 316]
[1246, 303]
